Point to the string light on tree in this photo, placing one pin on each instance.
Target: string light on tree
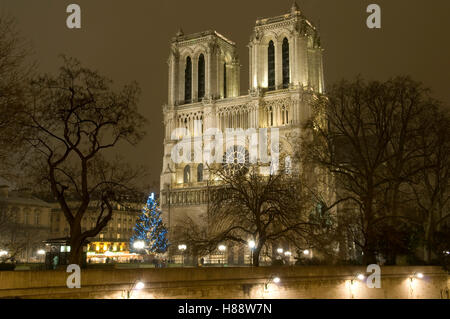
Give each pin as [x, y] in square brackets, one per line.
[150, 232]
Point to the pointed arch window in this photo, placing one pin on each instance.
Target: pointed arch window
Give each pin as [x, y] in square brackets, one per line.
[201, 77]
[188, 81]
[271, 65]
[187, 174]
[224, 80]
[285, 58]
[200, 173]
[270, 116]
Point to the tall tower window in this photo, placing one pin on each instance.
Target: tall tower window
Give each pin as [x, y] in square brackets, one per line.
[271, 65]
[224, 80]
[200, 173]
[187, 174]
[201, 77]
[285, 57]
[188, 81]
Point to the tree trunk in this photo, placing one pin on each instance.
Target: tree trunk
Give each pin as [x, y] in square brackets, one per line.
[76, 251]
[255, 261]
[256, 253]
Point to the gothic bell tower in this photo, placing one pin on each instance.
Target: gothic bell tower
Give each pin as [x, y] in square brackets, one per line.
[285, 52]
[202, 66]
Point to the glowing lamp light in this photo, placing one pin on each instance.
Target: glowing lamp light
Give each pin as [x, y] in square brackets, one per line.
[287, 253]
[280, 250]
[3, 253]
[108, 253]
[138, 245]
[140, 285]
[41, 252]
[276, 280]
[419, 275]
[222, 247]
[251, 244]
[306, 252]
[182, 247]
[360, 277]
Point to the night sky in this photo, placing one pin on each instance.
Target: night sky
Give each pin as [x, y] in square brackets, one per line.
[129, 40]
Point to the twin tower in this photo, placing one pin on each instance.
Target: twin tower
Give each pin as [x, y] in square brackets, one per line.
[204, 87]
[284, 52]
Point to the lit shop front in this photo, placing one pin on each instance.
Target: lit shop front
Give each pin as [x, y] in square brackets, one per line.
[109, 252]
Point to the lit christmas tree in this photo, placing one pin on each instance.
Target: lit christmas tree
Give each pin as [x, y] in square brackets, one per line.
[149, 229]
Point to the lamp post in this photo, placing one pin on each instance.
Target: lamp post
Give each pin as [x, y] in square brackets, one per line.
[251, 245]
[139, 245]
[182, 248]
[288, 256]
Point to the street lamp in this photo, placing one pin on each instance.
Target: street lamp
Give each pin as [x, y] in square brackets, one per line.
[41, 252]
[288, 256]
[280, 250]
[3, 253]
[360, 277]
[251, 245]
[274, 279]
[222, 249]
[182, 248]
[139, 245]
[137, 285]
[306, 252]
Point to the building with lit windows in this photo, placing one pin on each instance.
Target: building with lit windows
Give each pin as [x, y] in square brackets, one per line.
[27, 221]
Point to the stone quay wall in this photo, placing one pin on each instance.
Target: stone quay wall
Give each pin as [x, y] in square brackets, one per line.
[308, 282]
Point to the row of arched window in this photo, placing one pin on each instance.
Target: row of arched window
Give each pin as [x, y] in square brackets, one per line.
[194, 197]
[277, 116]
[187, 177]
[200, 79]
[271, 64]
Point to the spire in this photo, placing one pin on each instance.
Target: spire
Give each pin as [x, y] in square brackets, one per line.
[295, 8]
[180, 33]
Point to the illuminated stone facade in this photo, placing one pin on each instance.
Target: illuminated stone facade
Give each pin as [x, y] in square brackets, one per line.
[285, 73]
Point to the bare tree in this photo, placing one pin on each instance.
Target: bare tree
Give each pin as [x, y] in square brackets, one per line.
[73, 122]
[364, 135]
[430, 185]
[248, 205]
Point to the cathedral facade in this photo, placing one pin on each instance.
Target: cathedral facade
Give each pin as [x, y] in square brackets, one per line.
[285, 73]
